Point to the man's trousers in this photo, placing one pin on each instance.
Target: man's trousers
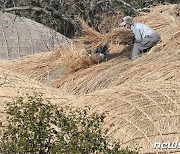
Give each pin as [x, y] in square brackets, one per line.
[148, 42]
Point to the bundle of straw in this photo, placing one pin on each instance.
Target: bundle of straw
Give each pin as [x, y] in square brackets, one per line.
[93, 39]
[119, 36]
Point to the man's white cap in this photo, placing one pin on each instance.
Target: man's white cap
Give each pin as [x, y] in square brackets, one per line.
[127, 20]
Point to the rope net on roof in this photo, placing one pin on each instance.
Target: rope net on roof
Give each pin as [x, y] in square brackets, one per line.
[21, 37]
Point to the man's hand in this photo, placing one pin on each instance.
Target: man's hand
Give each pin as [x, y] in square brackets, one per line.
[127, 26]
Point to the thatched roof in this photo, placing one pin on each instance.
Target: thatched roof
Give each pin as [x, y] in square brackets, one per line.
[47, 67]
[14, 85]
[139, 114]
[142, 97]
[161, 63]
[20, 37]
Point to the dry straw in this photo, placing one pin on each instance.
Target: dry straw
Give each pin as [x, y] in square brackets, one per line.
[116, 37]
[46, 67]
[161, 63]
[141, 97]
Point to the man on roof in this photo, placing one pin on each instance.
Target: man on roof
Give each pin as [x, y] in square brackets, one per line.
[145, 37]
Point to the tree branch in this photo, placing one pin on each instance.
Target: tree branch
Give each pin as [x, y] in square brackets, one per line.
[5, 3]
[128, 5]
[27, 8]
[145, 9]
[136, 11]
[51, 11]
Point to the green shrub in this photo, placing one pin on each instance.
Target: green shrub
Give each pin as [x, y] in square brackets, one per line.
[37, 126]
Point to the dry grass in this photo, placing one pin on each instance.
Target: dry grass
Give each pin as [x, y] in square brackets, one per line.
[113, 19]
[116, 37]
[160, 64]
[14, 85]
[142, 97]
[139, 114]
[76, 57]
[46, 67]
[91, 37]
[163, 20]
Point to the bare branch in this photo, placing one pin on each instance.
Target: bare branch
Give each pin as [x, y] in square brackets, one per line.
[51, 11]
[26, 8]
[5, 3]
[128, 5]
[136, 11]
[145, 9]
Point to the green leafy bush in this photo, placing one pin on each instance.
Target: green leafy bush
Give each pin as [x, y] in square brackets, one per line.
[37, 126]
